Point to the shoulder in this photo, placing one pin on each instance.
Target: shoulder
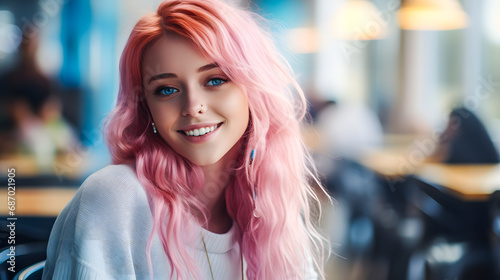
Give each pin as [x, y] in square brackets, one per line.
[113, 196]
[112, 175]
[113, 184]
[108, 217]
[111, 202]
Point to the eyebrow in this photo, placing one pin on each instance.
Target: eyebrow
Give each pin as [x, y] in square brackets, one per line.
[172, 75]
[207, 67]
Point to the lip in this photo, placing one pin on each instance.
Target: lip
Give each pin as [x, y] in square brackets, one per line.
[203, 138]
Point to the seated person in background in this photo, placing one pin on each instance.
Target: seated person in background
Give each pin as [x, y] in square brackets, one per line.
[34, 120]
[348, 130]
[466, 141]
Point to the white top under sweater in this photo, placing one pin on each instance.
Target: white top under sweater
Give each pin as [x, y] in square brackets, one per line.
[102, 234]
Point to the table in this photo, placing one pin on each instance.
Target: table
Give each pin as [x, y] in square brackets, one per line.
[71, 165]
[470, 182]
[31, 201]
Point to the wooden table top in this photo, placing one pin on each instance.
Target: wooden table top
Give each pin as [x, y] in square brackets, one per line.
[68, 165]
[472, 182]
[38, 201]
[391, 162]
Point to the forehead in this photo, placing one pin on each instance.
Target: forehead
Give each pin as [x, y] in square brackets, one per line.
[172, 52]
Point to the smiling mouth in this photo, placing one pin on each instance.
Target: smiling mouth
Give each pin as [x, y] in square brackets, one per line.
[200, 131]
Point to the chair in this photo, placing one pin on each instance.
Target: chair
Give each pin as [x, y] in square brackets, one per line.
[26, 255]
[356, 188]
[29, 229]
[32, 272]
[455, 243]
[495, 230]
[445, 214]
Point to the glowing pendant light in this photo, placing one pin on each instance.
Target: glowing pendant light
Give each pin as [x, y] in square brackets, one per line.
[358, 20]
[432, 15]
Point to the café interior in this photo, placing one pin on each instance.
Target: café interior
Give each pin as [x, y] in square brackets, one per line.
[403, 124]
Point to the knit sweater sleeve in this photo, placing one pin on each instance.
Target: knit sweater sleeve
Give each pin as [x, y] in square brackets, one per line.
[102, 232]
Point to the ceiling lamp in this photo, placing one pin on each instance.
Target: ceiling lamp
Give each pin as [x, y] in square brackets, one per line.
[302, 40]
[358, 20]
[432, 15]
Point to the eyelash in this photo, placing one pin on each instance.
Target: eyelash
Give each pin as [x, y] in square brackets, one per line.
[161, 88]
[224, 80]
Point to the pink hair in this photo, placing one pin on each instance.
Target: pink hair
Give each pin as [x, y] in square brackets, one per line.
[276, 185]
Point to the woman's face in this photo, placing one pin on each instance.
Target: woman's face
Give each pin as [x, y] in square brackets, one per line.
[196, 109]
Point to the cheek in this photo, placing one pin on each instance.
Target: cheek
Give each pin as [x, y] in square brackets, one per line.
[163, 116]
[238, 106]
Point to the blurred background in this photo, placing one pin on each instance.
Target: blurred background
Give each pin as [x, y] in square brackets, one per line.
[404, 122]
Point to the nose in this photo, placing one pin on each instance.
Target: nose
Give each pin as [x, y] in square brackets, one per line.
[194, 104]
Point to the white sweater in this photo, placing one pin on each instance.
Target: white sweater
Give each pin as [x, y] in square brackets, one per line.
[102, 234]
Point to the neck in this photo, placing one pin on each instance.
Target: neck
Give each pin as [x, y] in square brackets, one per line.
[217, 177]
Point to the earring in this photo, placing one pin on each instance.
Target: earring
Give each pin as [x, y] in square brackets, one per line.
[252, 156]
[154, 128]
[255, 203]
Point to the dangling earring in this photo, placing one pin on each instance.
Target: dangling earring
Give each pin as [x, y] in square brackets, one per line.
[154, 128]
[252, 156]
[255, 203]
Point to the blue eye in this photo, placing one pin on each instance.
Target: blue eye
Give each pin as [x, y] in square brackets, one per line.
[216, 82]
[166, 91]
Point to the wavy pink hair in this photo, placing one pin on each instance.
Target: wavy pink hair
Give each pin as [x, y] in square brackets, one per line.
[276, 185]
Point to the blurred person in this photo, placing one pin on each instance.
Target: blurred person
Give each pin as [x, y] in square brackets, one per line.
[38, 127]
[210, 177]
[348, 130]
[465, 141]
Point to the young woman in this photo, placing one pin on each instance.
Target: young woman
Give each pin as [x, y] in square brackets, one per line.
[211, 179]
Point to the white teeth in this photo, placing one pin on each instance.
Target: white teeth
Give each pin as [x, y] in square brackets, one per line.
[201, 131]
